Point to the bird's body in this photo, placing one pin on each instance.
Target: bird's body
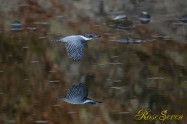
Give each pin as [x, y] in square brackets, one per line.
[77, 94]
[75, 45]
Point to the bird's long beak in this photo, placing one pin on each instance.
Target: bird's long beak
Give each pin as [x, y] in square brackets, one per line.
[99, 102]
[97, 37]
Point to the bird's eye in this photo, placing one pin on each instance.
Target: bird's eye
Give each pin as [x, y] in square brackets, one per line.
[89, 35]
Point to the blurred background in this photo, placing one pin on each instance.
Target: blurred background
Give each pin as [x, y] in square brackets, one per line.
[127, 77]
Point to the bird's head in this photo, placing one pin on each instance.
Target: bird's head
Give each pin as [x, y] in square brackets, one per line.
[90, 102]
[145, 14]
[89, 36]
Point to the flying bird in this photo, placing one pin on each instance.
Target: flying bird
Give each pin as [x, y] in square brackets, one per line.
[183, 19]
[145, 17]
[120, 17]
[75, 45]
[77, 94]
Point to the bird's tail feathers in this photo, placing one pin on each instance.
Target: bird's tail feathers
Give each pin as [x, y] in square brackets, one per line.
[57, 40]
[61, 99]
[83, 79]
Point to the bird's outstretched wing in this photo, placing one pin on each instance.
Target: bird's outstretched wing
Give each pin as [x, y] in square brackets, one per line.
[78, 92]
[75, 49]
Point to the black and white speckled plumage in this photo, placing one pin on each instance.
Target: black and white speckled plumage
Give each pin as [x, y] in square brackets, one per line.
[78, 94]
[75, 45]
